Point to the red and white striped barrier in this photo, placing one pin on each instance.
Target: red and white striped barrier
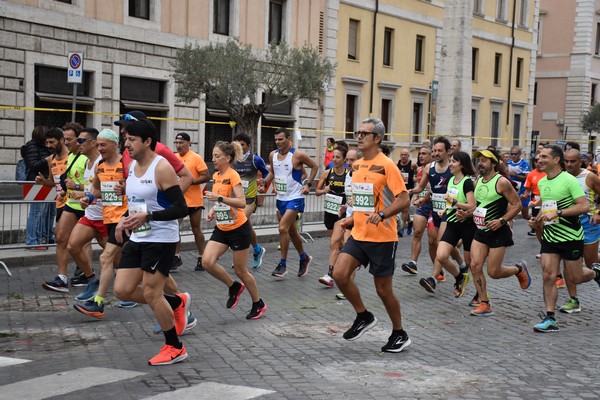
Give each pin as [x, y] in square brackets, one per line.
[32, 192]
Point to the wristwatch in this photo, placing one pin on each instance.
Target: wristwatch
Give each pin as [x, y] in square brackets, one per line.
[381, 215]
[559, 212]
[77, 186]
[503, 221]
[220, 199]
[306, 182]
[149, 217]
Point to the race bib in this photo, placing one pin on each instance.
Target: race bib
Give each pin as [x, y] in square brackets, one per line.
[438, 202]
[57, 184]
[109, 197]
[223, 214]
[479, 217]
[550, 206]
[333, 203]
[245, 187]
[280, 185]
[452, 196]
[363, 198]
[405, 176]
[423, 194]
[138, 206]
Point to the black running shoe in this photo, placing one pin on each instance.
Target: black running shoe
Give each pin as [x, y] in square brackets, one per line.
[303, 270]
[79, 281]
[397, 342]
[360, 326]
[410, 267]
[428, 284]
[199, 266]
[176, 263]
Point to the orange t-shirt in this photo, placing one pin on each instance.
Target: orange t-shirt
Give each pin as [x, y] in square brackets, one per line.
[113, 206]
[195, 164]
[228, 218]
[532, 180]
[375, 185]
[57, 168]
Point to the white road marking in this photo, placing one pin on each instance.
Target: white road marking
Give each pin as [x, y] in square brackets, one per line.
[212, 390]
[6, 361]
[64, 382]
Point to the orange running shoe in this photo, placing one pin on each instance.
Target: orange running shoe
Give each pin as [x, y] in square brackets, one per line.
[168, 355]
[484, 309]
[523, 276]
[441, 277]
[560, 282]
[181, 313]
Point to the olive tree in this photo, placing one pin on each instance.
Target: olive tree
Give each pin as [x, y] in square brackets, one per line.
[590, 119]
[231, 74]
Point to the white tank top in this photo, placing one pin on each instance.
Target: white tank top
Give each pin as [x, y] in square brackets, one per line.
[348, 191]
[144, 196]
[288, 181]
[589, 192]
[94, 211]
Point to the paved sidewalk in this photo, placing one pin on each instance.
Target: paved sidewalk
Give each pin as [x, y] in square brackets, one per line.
[296, 350]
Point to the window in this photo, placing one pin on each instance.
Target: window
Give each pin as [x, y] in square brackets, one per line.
[353, 32]
[516, 129]
[535, 90]
[523, 16]
[417, 116]
[64, 1]
[139, 9]
[519, 78]
[593, 99]
[495, 127]
[388, 46]
[386, 117]
[221, 17]
[147, 95]
[497, 68]
[478, 7]
[473, 122]
[351, 108]
[501, 10]
[275, 21]
[597, 52]
[474, 63]
[420, 44]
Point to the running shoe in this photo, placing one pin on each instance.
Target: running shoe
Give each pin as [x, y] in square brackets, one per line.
[531, 233]
[441, 277]
[235, 291]
[523, 276]
[401, 233]
[326, 280]
[90, 291]
[548, 325]
[258, 309]
[181, 312]
[360, 326]
[304, 264]
[192, 322]
[56, 285]
[409, 230]
[560, 283]
[460, 287]
[176, 263]
[258, 258]
[340, 296]
[483, 310]
[127, 304]
[199, 266]
[280, 271]
[169, 355]
[77, 272]
[410, 267]
[475, 301]
[463, 268]
[90, 308]
[596, 269]
[538, 256]
[571, 306]
[428, 284]
[396, 342]
[79, 281]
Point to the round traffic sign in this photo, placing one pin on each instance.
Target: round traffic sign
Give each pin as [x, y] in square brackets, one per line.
[75, 61]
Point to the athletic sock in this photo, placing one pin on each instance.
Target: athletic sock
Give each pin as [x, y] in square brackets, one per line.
[256, 248]
[459, 278]
[363, 315]
[283, 262]
[174, 301]
[413, 261]
[63, 278]
[171, 338]
[303, 256]
[550, 315]
[99, 300]
[330, 273]
[575, 298]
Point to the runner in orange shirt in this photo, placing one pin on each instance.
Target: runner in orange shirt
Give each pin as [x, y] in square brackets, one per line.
[233, 230]
[531, 189]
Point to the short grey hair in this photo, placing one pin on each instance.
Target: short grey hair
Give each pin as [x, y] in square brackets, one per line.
[378, 126]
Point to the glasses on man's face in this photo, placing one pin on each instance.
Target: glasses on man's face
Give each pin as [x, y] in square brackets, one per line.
[129, 117]
[514, 154]
[82, 140]
[358, 134]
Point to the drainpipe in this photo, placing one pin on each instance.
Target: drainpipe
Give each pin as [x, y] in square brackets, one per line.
[373, 56]
[510, 68]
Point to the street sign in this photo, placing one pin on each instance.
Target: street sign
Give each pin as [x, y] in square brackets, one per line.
[75, 68]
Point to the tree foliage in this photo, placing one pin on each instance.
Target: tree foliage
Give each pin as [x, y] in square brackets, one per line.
[590, 120]
[231, 74]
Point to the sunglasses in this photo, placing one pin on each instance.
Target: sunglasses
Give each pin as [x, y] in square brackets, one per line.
[129, 117]
[82, 140]
[358, 134]
[514, 154]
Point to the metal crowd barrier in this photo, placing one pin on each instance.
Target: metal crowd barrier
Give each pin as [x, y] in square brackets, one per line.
[20, 198]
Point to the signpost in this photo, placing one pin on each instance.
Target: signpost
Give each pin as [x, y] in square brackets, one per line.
[75, 76]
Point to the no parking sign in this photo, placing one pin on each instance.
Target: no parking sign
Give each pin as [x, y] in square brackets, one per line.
[75, 68]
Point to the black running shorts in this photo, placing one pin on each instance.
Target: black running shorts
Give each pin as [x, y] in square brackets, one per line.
[379, 256]
[569, 250]
[149, 256]
[237, 239]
